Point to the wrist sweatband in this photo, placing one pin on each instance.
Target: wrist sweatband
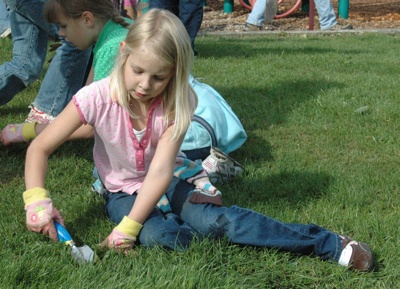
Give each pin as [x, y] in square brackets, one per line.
[129, 227]
[28, 131]
[35, 194]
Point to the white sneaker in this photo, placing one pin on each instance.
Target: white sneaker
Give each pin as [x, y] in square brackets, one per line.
[38, 116]
[6, 33]
[220, 167]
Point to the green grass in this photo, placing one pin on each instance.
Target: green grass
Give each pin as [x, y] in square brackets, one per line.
[321, 113]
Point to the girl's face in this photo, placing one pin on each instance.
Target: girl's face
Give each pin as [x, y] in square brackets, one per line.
[79, 31]
[146, 76]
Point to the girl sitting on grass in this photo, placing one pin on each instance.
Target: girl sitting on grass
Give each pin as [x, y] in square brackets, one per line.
[140, 115]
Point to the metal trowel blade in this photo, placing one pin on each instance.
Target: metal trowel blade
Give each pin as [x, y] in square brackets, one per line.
[83, 254]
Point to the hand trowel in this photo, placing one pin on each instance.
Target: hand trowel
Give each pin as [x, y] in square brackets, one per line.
[82, 254]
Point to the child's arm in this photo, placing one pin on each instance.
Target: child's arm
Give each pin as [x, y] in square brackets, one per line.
[154, 186]
[38, 204]
[158, 177]
[47, 142]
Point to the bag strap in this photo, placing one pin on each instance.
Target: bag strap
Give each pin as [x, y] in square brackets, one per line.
[208, 127]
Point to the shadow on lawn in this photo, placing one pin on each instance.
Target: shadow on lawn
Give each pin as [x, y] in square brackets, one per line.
[12, 158]
[12, 111]
[269, 104]
[293, 188]
[264, 108]
[240, 48]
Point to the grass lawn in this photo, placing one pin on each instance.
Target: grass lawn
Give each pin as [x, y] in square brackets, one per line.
[321, 113]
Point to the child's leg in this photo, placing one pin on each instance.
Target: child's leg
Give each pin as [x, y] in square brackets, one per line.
[166, 231]
[246, 227]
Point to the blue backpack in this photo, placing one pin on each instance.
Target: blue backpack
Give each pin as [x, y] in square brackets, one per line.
[214, 123]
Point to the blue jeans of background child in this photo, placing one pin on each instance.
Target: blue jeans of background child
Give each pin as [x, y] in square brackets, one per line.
[260, 10]
[327, 17]
[190, 12]
[239, 225]
[326, 13]
[65, 76]
[4, 17]
[30, 33]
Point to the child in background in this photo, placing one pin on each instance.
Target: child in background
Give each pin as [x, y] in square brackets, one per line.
[140, 115]
[88, 24]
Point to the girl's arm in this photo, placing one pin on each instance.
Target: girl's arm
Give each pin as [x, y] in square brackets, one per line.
[158, 177]
[46, 143]
[154, 186]
[90, 77]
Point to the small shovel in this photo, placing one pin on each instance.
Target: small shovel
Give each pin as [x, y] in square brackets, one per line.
[82, 254]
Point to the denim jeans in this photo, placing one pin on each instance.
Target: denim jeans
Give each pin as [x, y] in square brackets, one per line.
[238, 225]
[261, 9]
[190, 12]
[65, 76]
[326, 13]
[4, 17]
[197, 154]
[30, 33]
[168, 231]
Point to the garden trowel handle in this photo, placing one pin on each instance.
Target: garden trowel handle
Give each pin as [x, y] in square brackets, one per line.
[62, 233]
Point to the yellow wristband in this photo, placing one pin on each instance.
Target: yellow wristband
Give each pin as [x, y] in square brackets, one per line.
[28, 131]
[129, 227]
[35, 194]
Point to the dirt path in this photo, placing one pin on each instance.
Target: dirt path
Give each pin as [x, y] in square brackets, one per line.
[363, 14]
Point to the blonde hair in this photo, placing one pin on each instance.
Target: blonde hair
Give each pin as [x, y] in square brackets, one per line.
[163, 33]
[103, 9]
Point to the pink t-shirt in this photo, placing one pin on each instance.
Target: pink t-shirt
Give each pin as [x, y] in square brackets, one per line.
[121, 160]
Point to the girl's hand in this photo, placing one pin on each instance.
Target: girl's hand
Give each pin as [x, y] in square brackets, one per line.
[119, 241]
[123, 237]
[40, 213]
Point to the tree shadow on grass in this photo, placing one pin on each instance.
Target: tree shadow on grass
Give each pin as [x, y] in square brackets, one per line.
[250, 47]
[13, 111]
[266, 107]
[12, 159]
[292, 188]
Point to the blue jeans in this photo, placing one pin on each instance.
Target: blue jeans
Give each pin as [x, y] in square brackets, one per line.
[65, 76]
[326, 13]
[30, 33]
[258, 14]
[168, 231]
[197, 154]
[190, 12]
[238, 225]
[4, 17]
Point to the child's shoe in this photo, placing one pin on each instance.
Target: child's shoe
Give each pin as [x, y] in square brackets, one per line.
[220, 167]
[39, 116]
[356, 256]
[251, 27]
